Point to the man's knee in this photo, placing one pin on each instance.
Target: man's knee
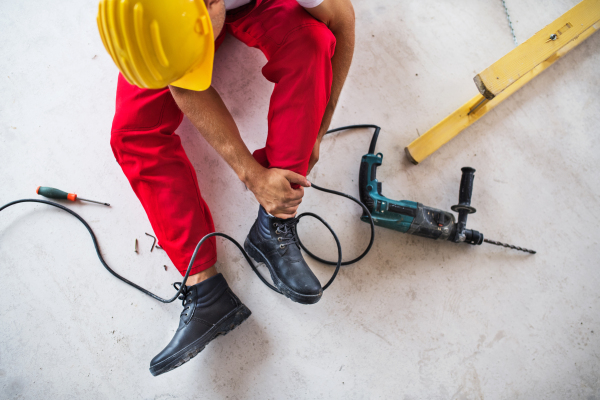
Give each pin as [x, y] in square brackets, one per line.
[140, 116]
[144, 109]
[318, 43]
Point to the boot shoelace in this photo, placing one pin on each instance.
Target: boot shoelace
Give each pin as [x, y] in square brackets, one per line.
[288, 231]
[183, 296]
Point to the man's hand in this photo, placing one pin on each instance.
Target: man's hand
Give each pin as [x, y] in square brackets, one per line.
[272, 189]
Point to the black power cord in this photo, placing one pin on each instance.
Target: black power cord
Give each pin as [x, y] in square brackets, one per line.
[367, 212]
[337, 263]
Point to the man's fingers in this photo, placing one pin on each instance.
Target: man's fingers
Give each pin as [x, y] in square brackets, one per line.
[294, 194]
[284, 198]
[292, 203]
[296, 178]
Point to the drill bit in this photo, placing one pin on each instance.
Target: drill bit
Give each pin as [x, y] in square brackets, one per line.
[509, 246]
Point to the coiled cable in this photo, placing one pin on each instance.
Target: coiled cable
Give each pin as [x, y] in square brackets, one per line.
[337, 263]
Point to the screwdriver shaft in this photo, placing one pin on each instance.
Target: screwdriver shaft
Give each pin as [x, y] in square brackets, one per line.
[93, 201]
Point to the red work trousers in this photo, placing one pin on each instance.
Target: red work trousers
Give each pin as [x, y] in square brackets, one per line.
[298, 49]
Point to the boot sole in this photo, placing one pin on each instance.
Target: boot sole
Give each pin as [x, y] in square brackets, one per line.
[257, 255]
[223, 327]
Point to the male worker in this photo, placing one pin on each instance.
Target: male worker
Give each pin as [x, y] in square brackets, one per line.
[164, 50]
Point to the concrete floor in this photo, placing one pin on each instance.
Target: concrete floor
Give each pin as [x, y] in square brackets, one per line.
[415, 319]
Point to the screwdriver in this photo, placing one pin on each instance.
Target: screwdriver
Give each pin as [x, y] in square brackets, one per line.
[59, 194]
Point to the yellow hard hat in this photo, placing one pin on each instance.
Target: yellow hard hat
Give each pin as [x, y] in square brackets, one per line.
[156, 43]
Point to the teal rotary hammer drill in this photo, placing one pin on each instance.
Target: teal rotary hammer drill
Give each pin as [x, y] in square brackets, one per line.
[414, 218]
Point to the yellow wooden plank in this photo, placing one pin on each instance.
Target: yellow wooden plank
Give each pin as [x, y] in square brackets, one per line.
[452, 125]
[513, 66]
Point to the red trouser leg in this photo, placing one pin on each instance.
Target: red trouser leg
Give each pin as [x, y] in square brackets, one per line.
[161, 174]
[299, 50]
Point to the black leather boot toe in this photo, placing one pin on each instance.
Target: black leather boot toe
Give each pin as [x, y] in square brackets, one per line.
[272, 241]
[210, 309]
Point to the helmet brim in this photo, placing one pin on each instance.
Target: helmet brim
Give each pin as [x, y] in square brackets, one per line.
[199, 78]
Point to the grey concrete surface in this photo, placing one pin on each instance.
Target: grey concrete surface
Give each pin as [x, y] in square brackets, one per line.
[415, 319]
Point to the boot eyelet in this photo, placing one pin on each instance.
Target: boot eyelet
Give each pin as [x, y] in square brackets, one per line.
[275, 225]
[280, 239]
[282, 246]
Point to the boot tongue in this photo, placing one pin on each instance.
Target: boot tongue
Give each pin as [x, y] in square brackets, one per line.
[264, 223]
[288, 228]
[201, 295]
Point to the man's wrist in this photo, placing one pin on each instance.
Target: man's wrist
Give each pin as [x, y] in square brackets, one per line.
[248, 175]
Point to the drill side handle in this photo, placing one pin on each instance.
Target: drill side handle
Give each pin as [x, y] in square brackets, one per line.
[464, 208]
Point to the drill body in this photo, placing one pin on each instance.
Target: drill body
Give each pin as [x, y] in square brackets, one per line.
[401, 215]
[411, 217]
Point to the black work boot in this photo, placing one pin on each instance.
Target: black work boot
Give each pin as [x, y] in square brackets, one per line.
[273, 241]
[210, 309]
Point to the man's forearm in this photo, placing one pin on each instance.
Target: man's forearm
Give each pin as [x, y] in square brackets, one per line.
[340, 64]
[271, 187]
[210, 116]
[338, 15]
